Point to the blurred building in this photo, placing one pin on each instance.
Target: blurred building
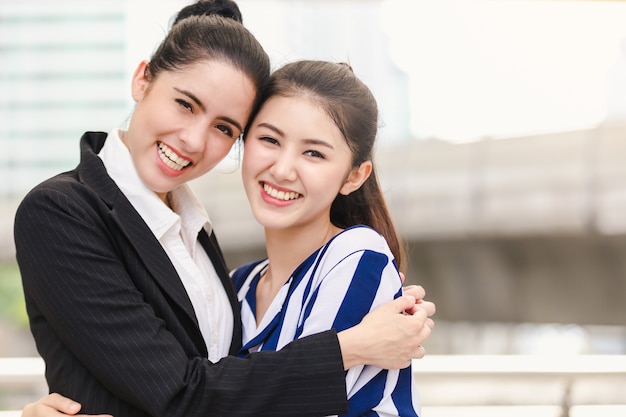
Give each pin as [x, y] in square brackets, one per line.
[519, 230]
[519, 239]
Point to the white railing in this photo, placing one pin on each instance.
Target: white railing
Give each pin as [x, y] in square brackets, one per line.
[522, 385]
[21, 381]
[456, 385]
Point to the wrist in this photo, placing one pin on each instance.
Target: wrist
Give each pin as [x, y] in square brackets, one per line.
[350, 348]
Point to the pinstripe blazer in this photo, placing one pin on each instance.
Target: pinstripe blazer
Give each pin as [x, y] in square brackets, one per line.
[116, 329]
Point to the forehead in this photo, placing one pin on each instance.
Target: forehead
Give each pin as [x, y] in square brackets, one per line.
[207, 70]
[215, 83]
[300, 117]
[298, 107]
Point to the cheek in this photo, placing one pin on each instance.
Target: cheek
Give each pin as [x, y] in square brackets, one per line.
[252, 157]
[223, 149]
[247, 166]
[328, 185]
[248, 176]
[215, 151]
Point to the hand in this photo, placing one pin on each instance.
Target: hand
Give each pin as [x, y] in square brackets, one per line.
[54, 405]
[419, 293]
[386, 337]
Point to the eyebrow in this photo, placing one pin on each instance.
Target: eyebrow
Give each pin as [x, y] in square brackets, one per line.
[201, 105]
[310, 141]
[272, 128]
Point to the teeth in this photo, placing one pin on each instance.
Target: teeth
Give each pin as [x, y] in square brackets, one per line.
[171, 159]
[280, 195]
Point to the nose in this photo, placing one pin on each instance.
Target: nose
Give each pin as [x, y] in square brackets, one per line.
[193, 138]
[284, 166]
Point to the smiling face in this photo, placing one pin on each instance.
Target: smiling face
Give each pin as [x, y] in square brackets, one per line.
[186, 121]
[295, 163]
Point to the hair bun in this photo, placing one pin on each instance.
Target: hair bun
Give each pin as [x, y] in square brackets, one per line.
[224, 8]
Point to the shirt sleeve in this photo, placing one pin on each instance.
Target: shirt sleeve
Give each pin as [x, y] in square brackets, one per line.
[357, 275]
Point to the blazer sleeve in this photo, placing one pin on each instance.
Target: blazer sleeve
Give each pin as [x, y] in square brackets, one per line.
[77, 288]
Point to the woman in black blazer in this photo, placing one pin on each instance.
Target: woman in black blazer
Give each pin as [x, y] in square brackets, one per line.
[110, 310]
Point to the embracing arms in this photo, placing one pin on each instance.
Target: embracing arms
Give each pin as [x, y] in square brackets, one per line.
[98, 320]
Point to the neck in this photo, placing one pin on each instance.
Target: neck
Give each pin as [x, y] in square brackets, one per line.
[286, 249]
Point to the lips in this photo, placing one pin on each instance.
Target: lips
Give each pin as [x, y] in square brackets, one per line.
[280, 195]
[171, 158]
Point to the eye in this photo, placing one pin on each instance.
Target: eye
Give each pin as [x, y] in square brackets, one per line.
[315, 154]
[268, 139]
[185, 104]
[227, 130]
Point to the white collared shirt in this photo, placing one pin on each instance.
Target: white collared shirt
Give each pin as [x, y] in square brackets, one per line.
[177, 231]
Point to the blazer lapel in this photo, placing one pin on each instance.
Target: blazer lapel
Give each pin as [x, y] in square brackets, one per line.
[137, 233]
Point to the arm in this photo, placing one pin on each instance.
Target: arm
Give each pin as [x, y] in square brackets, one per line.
[93, 323]
[71, 270]
[384, 338]
[388, 339]
[359, 327]
[360, 282]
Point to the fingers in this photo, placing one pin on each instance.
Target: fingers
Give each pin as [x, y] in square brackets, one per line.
[388, 339]
[428, 306]
[420, 352]
[55, 405]
[62, 404]
[419, 293]
[51, 405]
[416, 291]
[420, 315]
[422, 329]
[430, 323]
[400, 304]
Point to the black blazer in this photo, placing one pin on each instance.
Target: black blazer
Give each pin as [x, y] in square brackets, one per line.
[116, 328]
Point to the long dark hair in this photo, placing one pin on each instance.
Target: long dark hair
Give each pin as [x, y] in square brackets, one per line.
[352, 106]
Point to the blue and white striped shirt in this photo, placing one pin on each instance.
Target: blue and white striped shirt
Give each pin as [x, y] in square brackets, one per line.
[335, 287]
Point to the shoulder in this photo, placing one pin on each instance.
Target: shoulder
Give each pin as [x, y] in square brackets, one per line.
[65, 186]
[354, 245]
[60, 198]
[84, 186]
[359, 238]
[62, 187]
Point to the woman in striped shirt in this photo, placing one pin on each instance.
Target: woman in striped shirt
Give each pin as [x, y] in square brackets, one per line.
[333, 251]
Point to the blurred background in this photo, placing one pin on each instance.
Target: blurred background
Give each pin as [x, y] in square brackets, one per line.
[501, 150]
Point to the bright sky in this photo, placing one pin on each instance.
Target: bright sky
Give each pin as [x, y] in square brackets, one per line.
[476, 68]
[508, 67]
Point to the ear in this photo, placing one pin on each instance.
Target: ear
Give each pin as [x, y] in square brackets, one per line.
[140, 83]
[356, 178]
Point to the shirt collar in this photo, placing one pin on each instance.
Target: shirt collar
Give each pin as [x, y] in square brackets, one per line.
[192, 215]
